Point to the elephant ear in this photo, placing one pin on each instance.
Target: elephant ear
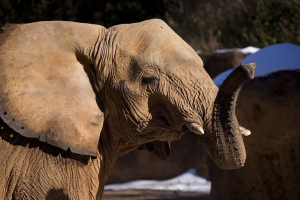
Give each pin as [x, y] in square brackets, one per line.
[161, 149]
[46, 91]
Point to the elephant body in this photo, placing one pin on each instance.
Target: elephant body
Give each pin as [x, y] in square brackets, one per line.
[74, 97]
[31, 169]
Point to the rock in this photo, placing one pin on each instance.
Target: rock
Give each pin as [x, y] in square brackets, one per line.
[269, 107]
[217, 63]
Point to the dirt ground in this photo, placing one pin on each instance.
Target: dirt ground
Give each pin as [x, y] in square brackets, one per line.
[152, 194]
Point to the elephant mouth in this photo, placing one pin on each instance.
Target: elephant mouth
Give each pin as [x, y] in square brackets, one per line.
[165, 124]
[163, 119]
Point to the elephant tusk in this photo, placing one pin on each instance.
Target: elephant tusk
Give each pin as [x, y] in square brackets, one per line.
[196, 128]
[245, 131]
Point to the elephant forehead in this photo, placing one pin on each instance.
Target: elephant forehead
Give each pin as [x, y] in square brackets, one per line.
[172, 61]
[138, 37]
[153, 42]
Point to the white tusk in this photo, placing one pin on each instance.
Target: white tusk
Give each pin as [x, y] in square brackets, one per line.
[196, 128]
[244, 131]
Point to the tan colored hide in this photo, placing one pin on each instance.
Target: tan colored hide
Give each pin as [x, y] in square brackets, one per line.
[43, 85]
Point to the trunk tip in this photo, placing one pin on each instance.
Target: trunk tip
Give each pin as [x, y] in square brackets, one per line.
[250, 68]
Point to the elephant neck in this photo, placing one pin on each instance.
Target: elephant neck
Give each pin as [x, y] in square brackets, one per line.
[112, 146]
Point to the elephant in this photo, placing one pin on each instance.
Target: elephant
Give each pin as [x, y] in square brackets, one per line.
[74, 97]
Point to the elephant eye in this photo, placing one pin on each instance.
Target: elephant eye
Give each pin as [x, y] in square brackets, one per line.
[150, 80]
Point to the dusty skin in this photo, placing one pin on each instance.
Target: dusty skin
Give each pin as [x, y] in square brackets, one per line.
[74, 97]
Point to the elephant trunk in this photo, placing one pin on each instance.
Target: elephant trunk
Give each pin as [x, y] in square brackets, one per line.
[226, 146]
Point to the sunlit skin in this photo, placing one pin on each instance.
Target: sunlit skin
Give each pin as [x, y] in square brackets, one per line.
[74, 97]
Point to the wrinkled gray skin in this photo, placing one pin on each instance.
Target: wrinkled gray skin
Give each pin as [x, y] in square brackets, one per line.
[70, 92]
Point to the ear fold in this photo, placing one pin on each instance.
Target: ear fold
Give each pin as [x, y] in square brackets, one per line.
[45, 90]
[161, 149]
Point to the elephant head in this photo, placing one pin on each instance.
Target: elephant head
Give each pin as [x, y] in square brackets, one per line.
[62, 82]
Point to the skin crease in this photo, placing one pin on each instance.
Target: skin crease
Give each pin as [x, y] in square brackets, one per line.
[134, 83]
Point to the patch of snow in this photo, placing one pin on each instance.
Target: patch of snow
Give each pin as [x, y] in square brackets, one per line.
[187, 182]
[270, 59]
[249, 49]
[245, 50]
